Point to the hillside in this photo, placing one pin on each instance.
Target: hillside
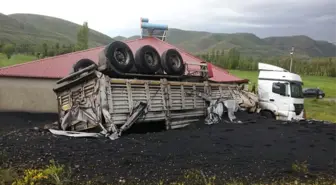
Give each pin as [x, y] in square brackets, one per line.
[248, 43]
[36, 29]
[303, 45]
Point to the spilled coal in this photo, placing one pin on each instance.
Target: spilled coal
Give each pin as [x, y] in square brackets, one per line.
[257, 149]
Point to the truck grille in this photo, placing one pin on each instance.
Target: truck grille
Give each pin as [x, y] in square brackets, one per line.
[298, 108]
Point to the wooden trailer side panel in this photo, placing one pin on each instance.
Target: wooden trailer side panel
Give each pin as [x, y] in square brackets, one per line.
[175, 103]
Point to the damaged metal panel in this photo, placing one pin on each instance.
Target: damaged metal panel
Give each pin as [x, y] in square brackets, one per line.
[185, 108]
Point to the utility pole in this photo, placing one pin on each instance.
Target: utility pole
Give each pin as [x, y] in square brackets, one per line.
[291, 55]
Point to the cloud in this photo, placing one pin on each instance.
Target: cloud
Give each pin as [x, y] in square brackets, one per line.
[258, 13]
[123, 17]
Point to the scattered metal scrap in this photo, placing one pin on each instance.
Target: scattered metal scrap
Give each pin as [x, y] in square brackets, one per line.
[217, 107]
[79, 115]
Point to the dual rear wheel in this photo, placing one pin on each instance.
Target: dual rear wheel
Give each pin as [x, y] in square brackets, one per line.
[146, 60]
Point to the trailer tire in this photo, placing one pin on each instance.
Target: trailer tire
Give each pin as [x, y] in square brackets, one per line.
[147, 60]
[83, 63]
[172, 62]
[120, 56]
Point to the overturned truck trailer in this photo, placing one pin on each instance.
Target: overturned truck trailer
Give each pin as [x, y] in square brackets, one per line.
[90, 99]
[113, 104]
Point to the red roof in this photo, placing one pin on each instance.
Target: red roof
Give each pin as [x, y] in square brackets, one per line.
[59, 66]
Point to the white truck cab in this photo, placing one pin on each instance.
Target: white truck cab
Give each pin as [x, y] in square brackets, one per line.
[280, 93]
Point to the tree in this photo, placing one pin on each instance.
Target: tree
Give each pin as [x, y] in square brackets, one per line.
[45, 49]
[9, 50]
[51, 53]
[57, 48]
[318, 66]
[1, 45]
[83, 37]
[233, 58]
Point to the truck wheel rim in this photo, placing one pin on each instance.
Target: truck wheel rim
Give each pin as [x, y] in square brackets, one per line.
[149, 58]
[176, 62]
[120, 56]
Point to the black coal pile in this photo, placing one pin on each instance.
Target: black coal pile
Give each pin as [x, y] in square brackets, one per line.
[256, 149]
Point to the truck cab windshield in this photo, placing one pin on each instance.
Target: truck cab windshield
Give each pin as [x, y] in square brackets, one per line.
[296, 90]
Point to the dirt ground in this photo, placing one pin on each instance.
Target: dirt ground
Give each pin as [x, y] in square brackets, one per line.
[258, 150]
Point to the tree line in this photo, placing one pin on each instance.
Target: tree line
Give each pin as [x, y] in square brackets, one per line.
[318, 66]
[48, 49]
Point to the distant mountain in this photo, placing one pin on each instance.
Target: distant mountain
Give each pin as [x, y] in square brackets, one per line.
[35, 29]
[303, 45]
[248, 44]
[120, 38]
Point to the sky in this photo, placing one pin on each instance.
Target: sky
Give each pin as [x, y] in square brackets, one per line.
[314, 18]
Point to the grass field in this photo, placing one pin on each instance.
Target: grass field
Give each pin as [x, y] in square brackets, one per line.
[15, 59]
[315, 109]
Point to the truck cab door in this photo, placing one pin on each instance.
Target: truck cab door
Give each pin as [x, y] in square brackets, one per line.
[280, 97]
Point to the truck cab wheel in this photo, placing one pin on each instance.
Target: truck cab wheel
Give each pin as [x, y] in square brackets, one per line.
[267, 114]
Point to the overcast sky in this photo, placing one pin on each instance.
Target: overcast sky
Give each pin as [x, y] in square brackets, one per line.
[315, 18]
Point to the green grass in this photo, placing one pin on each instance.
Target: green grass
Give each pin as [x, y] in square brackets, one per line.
[321, 109]
[315, 109]
[58, 175]
[15, 59]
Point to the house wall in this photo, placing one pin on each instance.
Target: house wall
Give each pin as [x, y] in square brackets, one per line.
[27, 95]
